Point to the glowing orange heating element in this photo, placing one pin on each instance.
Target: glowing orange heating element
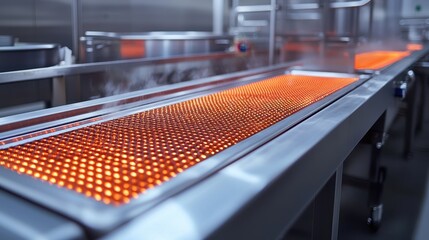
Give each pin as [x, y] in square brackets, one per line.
[414, 46]
[132, 48]
[118, 160]
[377, 59]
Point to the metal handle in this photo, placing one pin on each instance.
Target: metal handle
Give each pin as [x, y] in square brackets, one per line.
[255, 8]
[352, 4]
[303, 6]
[251, 23]
[310, 6]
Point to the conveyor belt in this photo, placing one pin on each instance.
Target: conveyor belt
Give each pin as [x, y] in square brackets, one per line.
[377, 60]
[120, 159]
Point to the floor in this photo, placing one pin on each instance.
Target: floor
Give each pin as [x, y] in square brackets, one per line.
[405, 195]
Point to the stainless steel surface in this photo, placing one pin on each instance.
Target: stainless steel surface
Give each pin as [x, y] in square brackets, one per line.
[345, 23]
[89, 81]
[20, 94]
[218, 16]
[349, 4]
[415, 29]
[272, 33]
[422, 66]
[37, 121]
[359, 23]
[414, 9]
[302, 6]
[299, 23]
[324, 36]
[254, 8]
[59, 97]
[28, 46]
[333, 4]
[48, 118]
[76, 20]
[53, 22]
[296, 71]
[274, 184]
[100, 218]
[17, 19]
[20, 219]
[405, 64]
[41, 21]
[326, 208]
[57, 71]
[366, 21]
[29, 55]
[379, 21]
[255, 21]
[63, 21]
[260, 189]
[26, 56]
[393, 15]
[109, 46]
[245, 182]
[170, 35]
[144, 15]
[6, 40]
[23, 108]
[337, 201]
[414, 21]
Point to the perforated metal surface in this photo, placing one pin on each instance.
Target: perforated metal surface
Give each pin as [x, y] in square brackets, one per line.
[377, 60]
[120, 159]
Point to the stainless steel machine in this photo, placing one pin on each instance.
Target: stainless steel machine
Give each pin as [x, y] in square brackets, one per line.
[22, 56]
[105, 46]
[238, 149]
[141, 158]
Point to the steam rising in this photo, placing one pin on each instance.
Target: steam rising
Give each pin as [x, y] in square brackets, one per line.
[127, 80]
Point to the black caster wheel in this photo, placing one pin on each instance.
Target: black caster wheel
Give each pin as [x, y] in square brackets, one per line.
[375, 217]
[373, 225]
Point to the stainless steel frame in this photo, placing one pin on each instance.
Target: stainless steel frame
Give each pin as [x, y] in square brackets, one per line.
[57, 71]
[101, 218]
[274, 183]
[272, 35]
[76, 25]
[334, 4]
[350, 4]
[271, 8]
[48, 118]
[16, 57]
[253, 8]
[218, 12]
[106, 46]
[248, 183]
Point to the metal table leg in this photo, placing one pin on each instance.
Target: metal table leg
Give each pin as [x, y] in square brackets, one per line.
[327, 208]
[423, 80]
[377, 174]
[410, 122]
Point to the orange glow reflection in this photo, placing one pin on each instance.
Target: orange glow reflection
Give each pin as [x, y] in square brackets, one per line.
[414, 46]
[377, 59]
[116, 161]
